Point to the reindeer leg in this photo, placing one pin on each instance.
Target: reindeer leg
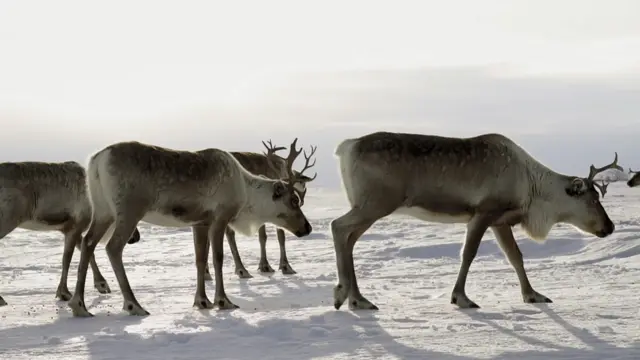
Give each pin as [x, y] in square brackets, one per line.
[509, 246]
[13, 216]
[284, 262]
[475, 231]
[99, 282]
[207, 273]
[125, 224]
[70, 241]
[216, 236]
[241, 271]
[346, 230]
[200, 242]
[263, 266]
[7, 225]
[89, 242]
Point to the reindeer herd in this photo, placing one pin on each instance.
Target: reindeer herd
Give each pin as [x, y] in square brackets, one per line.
[485, 182]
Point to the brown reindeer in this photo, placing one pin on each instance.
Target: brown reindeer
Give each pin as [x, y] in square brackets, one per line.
[207, 190]
[487, 181]
[271, 166]
[43, 196]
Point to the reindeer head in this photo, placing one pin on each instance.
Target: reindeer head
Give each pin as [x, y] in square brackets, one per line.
[635, 179]
[288, 193]
[299, 179]
[583, 203]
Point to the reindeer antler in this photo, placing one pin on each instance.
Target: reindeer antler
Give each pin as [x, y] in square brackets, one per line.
[293, 154]
[271, 150]
[593, 171]
[603, 187]
[306, 163]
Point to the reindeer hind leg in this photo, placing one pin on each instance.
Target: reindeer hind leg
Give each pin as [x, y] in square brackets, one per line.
[9, 218]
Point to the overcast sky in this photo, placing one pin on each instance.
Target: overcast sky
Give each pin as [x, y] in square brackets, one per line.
[562, 78]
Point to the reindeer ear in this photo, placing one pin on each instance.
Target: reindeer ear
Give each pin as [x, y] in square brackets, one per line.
[278, 190]
[577, 186]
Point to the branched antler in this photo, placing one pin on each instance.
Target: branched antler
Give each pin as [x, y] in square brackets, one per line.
[603, 187]
[293, 154]
[292, 177]
[271, 150]
[308, 166]
[593, 171]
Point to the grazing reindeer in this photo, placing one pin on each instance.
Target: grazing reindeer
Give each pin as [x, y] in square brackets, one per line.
[635, 179]
[484, 182]
[207, 190]
[273, 167]
[50, 196]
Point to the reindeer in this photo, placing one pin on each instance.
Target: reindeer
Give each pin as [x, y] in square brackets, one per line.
[44, 196]
[207, 190]
[271, 166]
[487, 181]
[635, 179]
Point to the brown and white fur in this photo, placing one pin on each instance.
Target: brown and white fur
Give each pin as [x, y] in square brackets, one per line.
[207, 190]
[635, 179]
[271, 166]
[43, 196]
[487, 181]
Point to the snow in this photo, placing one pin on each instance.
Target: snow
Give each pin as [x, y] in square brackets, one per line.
[404, 266]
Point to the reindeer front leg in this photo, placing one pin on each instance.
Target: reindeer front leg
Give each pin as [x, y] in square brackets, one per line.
[71, 240]
[263, 265]
[216, 235]
[201, 243]
[509, 247]
[241, 271]
[284, 262]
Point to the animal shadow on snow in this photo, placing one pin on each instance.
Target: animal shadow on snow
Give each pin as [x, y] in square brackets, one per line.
[45, 338]
[212, 334]
[596, 347]
[230, 335]
[267, 293]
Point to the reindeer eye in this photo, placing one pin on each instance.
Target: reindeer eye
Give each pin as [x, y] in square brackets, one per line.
[595, 201]
[295, 201]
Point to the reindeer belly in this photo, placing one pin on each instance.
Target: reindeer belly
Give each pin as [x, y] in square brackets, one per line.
[431, 216]
[160, 219]
[177, 216]
[40, 226]
[48, 222]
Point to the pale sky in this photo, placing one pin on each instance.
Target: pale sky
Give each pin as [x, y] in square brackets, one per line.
[560, 77]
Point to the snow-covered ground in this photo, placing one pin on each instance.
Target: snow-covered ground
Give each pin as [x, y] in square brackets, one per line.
[406, 267]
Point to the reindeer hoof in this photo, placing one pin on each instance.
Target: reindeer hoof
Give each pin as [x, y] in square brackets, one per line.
[202, 303]
[265, 268]
[536, 298]
[134, 309]
[361, 304]
[102, 287]
[243, 273]
[339, 296]
[2, 302]
[225, 304]
[287, 270]
[463, 301]
[63, 294]
[78, 309]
